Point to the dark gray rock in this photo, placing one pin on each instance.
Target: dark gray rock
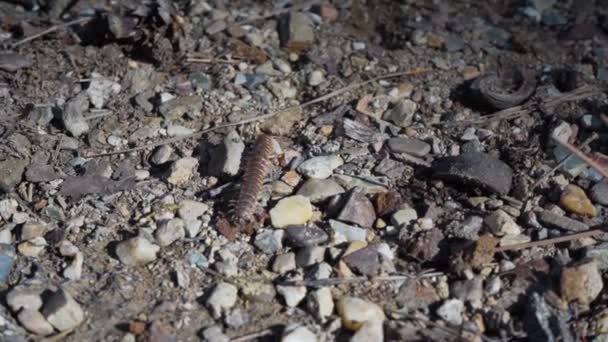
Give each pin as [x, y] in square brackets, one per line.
[414, 147]
[11, 172]
[477, 169]
[301, 236]
[551, 220]
[599, 193]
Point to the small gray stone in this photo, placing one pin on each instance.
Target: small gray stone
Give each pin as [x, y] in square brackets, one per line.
[284, 263]
[370, 331]
[320, 303]
[351, 233]
[62, 311]
[136, 251]
[552, 220]
[24, 297]
[34, 321]
[293, 295]
[318, 190]
[31, 230]
[296, 30]
[269, 241]
[8, 207]
[11, 172]
[237, 318]
[404, 217]
[310, 255]
[191, 210]
[410, 146]
[500, 223]
[100, 89]
[451, 311]
[227, 263]
[214, 333]
[222, 298]
[162, 155]
[181, 171]
[402, 114]
[599, 253]
[320, 167]
[599, 193]
[470, 227]
[469, 291]
[73, 116]
[170, 231]
[302, 236]
[300, 334]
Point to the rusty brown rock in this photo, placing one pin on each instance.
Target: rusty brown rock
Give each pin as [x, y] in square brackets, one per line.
[358, 209]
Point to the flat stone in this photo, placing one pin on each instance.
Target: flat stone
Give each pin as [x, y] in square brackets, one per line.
[177, 107]
[284, 263]
[402, 114]
[552, 220]
[599, 193]
[351, 233]
[214, 333]
[477, 169]
[293, 210]
[500, 223]
[181, 171]
[62, 311]
[74, 270]
[302, 236]
[358, 209]
[411, 146]
[451, 311]
[170, 231]
[222, 298]
[8, 207]
[136, 251]
[320, 303]
[599, 253]
[404, 217]
[469, 291]
[318, 190]
[11, 172]
[354, 312]
[72, 116]
[581, 282]
[24, 297]
[40, 173]
[311, 255]
[100, 89]
[299, 334]
[370, 185]
[320, 167]
[227, 263]
[34, 321]
[269, 241]
[191, 210]
[31, 230]
[296, 31]
[292, 295]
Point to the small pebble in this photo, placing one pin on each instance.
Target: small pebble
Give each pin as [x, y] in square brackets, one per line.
[136, 251]
[355, 311]
[222, 298]
[293, 210]
[320, 167]
[575, 200]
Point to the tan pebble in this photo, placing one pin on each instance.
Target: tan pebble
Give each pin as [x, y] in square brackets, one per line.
[575, 200]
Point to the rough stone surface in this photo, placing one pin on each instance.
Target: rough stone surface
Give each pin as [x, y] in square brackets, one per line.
[62, 311]
[292, 210]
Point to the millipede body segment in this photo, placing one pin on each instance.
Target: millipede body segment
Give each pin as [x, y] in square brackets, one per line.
[257, 166]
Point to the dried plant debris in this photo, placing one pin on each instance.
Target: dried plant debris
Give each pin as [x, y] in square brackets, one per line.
[183, 170]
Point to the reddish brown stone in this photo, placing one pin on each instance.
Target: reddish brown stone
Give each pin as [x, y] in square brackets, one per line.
[388, 202]
[358, 210]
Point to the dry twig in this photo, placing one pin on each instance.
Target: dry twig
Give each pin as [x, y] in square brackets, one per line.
[335, 93]
[51, 30]
[580, 154]
[551, 241]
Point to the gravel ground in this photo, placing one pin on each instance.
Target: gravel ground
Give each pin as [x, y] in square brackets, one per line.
[344, 170]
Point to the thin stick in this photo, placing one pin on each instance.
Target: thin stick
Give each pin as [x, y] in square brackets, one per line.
[564, 161]
[211, 61]
[51, 30]
[574, 150]
[252, 336]
[263, 117]
[339, 281]
[275, 13]
[551, 241]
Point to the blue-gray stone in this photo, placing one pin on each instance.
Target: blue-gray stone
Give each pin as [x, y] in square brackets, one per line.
[7, 260]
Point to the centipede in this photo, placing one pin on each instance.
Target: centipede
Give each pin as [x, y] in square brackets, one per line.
[256, 167]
